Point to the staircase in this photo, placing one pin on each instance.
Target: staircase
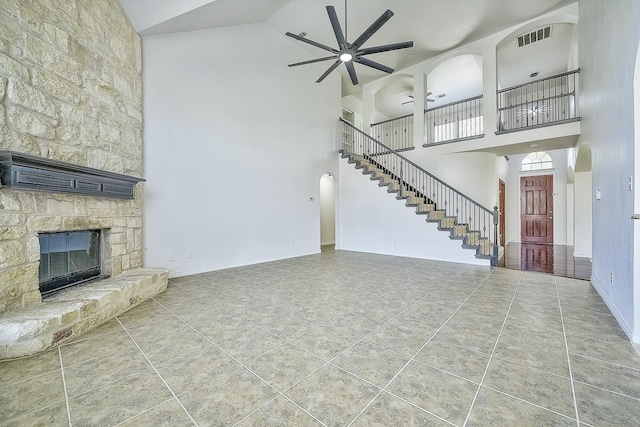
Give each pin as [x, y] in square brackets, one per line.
[455, 213]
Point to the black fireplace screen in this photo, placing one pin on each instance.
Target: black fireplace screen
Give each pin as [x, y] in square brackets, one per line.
[68, 258]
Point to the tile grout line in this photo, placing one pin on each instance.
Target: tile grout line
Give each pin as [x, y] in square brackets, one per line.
[493, 350]
[144, 412]
[566, 346]
[241, 364]
[383, 389]
[64, 386]
[156, 371]
[327, 361]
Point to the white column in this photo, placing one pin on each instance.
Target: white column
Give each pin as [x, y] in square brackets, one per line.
[419, 101]
[490, 88]
[368, 109]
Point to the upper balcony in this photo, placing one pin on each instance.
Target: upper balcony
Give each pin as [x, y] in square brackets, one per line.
[537, 104]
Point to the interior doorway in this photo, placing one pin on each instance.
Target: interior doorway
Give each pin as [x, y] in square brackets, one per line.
[327, 211]
[536, 212]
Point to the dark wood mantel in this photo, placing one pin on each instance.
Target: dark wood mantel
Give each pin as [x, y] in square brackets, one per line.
[24, 171]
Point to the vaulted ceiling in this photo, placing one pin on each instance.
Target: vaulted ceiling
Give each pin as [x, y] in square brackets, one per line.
[435, 26]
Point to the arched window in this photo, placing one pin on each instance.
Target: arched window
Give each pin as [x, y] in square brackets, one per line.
[537, 161]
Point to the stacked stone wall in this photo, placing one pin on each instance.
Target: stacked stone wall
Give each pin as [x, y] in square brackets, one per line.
[70, 90]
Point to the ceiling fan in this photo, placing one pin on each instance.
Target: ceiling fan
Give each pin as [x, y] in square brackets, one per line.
[442, 95]
[348, 53]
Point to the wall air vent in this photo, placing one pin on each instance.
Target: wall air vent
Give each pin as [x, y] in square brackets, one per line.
[534, 36]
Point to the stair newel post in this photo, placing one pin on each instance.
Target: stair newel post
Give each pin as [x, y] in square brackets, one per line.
[401, 177]
[496, 221]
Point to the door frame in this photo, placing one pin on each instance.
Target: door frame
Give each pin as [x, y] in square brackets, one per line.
[543, 172]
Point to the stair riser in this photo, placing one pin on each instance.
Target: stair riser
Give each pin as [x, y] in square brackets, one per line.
[471, 239]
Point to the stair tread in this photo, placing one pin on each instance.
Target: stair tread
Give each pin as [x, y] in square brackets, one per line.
[471, 239]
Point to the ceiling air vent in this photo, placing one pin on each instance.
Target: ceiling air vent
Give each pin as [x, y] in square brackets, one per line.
[534, 36]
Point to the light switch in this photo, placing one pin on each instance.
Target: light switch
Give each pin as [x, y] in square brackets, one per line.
[598, 195]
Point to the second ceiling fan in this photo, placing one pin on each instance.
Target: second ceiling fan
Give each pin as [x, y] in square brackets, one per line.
[348, 53]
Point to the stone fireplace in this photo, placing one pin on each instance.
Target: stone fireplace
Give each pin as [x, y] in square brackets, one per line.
[70, 93]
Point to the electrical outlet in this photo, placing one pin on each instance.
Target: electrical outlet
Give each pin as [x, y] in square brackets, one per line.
[612, 278]
[172, 256]
[190, 254]
[293, 243]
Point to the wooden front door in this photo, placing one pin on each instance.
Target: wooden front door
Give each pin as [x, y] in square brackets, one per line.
[501, 209]
[536, 211]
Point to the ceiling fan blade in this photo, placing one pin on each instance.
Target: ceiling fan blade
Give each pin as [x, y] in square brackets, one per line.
[352, 72]
[311, 42]
[408, 102]
[326, 73]
[311, 61]
[384, 48]
[372, 64]
[337, 30]
[371, 30]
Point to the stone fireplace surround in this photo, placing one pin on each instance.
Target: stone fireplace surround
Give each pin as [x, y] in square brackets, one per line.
[31, 324]
[70, 91]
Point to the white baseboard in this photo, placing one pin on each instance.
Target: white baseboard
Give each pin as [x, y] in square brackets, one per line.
[628, 330]
[189, 272]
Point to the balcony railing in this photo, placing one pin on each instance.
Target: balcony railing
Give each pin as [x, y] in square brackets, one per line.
[395, 133]
[543, 102]
[454, 122]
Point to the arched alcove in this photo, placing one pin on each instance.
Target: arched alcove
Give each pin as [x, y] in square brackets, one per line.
[394, 98]
[456, 83]
[520, 63]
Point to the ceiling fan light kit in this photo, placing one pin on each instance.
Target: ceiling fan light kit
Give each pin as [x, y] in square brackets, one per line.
[348, 53]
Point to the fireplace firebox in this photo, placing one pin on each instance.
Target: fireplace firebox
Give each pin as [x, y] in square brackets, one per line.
[68, 258]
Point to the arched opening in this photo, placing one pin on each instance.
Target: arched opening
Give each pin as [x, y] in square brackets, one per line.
[583, 190]
[536, 74]
[327, 212]
[453, 100]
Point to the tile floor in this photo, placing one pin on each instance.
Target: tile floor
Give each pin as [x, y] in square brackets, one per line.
[553, 259]
[342, 338]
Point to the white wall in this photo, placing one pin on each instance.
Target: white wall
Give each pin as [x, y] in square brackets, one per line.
[512, 196]
[327, 210]
[372, 220]
[583, 195]
[571, 219]
[608, 43]
[473, 174]
[235, 142]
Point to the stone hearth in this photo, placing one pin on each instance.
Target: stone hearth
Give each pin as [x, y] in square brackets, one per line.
[76, 310]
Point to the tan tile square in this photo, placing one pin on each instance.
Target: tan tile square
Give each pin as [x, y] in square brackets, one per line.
[332, 396]
[497, 409]
[35, 393]
[435, 391]
[227, 398]
[284, 366]
[195, 368]
[371, 363]
[387, 410]
[280, 412]
[119, 401]
[538, 387]
[167, 414]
